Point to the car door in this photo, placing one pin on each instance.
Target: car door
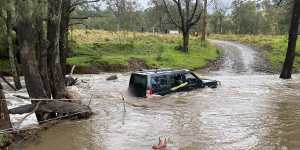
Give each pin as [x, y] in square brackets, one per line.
[193, 81]
[160, 84]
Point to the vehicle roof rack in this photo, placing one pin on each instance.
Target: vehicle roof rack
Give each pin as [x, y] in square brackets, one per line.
[146, 71]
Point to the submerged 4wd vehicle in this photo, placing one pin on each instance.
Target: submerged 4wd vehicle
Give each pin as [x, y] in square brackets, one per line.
[161, 82]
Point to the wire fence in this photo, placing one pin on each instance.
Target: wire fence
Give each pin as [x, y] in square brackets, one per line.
[14, 130]
[117, 101]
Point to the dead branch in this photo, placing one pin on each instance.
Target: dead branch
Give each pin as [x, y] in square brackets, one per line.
[83, 2]
[79, 18]
[33, 111]
[20, 96]
[55, 107]
[72, 70]
[70, 81]
[76, 23]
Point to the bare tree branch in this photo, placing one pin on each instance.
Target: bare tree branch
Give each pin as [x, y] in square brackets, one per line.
[187, 14]
[76, 23]
[180, 13]
[80, 18]
[170, 16]
[278, 4]
[196, 20]
[194, 11]
[75, 4]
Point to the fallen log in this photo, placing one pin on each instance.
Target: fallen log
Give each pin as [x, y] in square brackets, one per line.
[56, 109]
[24, 109]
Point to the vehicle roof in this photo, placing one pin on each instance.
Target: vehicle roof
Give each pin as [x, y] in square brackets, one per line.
[156, 72]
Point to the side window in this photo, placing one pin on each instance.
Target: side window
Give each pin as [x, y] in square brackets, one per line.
[163, 81]
[190, 78]
[179, 79]
[158, 83]
[154, 83]
[171, 81]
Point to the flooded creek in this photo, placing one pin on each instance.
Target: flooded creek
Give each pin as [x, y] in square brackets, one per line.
[248, 111]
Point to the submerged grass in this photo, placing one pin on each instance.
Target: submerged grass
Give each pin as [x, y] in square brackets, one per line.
[273, 47]
[96, 47]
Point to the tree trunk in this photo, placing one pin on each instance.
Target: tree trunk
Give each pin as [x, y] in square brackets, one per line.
[42, 52]
[26, 38]
[4, 116]
[293, 36]
[64, 33]
[204, 26]
[57, 82]
[186, 38]
[221, 25]
[12, 59]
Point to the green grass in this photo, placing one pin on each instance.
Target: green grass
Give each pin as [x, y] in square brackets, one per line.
[95, 47]
[272, 47]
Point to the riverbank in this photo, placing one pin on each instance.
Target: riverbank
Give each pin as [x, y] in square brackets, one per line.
[96, 50]
[272, 48]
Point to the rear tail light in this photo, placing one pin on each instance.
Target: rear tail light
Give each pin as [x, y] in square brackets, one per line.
[149, 92]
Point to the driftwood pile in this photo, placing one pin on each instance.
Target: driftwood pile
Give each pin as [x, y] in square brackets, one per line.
[49, 109]
[56, 110]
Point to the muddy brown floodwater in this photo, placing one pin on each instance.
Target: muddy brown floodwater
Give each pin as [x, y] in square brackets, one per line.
[249, 111]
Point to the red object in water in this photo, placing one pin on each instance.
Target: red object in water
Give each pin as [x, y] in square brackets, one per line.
[162, 144]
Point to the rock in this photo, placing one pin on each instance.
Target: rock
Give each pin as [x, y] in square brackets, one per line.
[113, 77]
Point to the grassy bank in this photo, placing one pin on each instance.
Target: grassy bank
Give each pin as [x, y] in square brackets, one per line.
[95, 48]
[273, 48]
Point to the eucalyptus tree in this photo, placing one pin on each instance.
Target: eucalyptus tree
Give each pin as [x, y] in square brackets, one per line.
[57, 82]
[68, 7]
[204, 21]
[293, 36]
[8, 19]
[244, 16]
[123, 10]
[189, 14]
